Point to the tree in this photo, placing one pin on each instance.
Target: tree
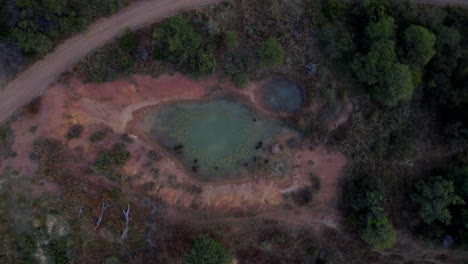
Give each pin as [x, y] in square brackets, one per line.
[231, 40]
[337, 43]
[380, 60]
[419, 43]
[31, 40]
[379, 237]
[128, 42]
[434, 196]
[331, 8]
[384, 29]
[177, 40]
[396, 86]
[370, 217]
[271, 53]
[207, 251]
[448, 37]
[11, 61]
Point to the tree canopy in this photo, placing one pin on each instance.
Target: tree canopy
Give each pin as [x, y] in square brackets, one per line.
[384, 29]
[372, 67]
[271, 53]
[178, 42]
[419, 45]
[434, 196]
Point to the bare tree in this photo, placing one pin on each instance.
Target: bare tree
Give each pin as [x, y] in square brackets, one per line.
[103, 209]
[126, 215]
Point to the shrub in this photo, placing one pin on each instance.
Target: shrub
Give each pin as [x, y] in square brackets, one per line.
[207, 251]
[57, 249]
[271, 53]
[50, 155]
[369, 215]
[240, 79]
[302, 196]
[316, 183]
[178, 42]
[330, 9]
[128, 42]
[33, 107]
[97, 136]
[75, 131]
[231, 40]
[7, 138]
[153, 155]
[336, 42]
[108, 160]
[379, 237]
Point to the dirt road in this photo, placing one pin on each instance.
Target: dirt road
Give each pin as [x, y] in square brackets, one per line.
[37, 77]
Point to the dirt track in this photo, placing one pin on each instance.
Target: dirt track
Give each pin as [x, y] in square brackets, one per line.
[36, 78]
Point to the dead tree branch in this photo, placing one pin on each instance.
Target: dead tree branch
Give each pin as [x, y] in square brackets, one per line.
[127, 216]
[103, 209]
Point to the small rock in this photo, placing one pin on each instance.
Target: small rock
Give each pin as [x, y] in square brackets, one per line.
[311, 69]
[277, 149]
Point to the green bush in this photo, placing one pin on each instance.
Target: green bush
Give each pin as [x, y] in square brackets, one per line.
[207, 251]
[97, 136]
[128, 42]
[27, 248]
[57, 250]
[40, 24]
[336, 42]
[50, 155]
[434, 197]
[368, 213]
[271, 53]
[240, 79]
[7, 138]
[330, 9]
[379, 237]
[178, 42]
[231, 40]
[108, 160]
[75, 131]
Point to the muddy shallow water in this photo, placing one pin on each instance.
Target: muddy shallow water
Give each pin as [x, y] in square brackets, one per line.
[214, 139]
[283, 95]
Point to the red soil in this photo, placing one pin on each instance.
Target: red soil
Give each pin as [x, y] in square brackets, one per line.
[113, 104]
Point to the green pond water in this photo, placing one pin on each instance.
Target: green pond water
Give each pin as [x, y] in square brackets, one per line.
[216, 138]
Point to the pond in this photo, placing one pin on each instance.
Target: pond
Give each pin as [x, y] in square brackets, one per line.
[214, 139]
[283, 95]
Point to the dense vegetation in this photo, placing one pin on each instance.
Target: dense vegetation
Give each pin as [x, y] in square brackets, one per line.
[367, 213]
[442, 205]
[410, 61]
[31, 28]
